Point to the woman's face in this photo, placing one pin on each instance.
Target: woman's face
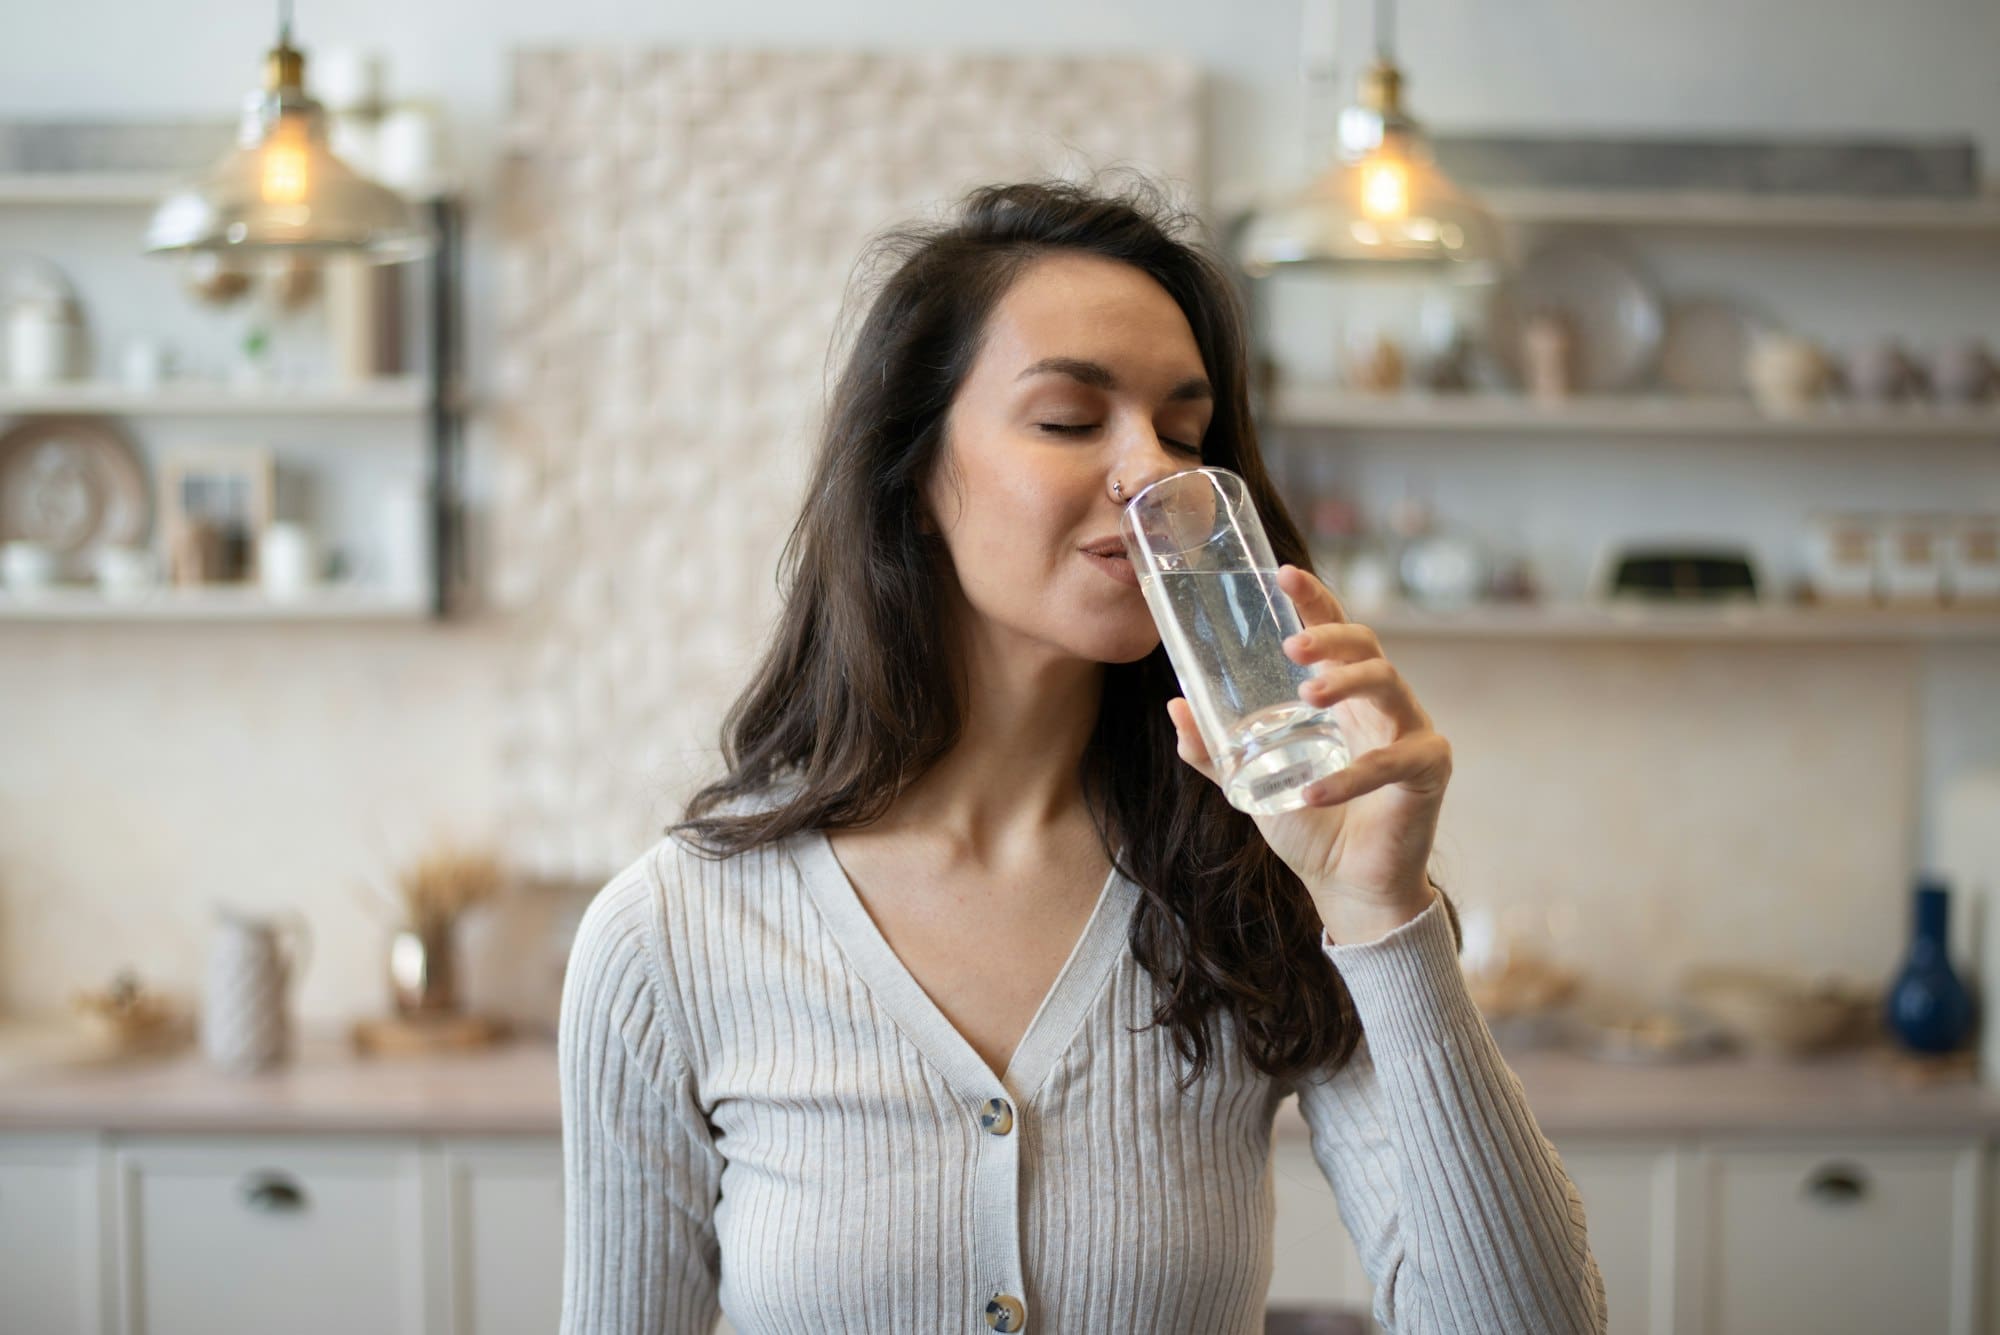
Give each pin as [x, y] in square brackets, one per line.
[1088, 372]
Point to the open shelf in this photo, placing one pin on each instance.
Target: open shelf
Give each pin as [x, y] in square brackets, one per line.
[1575, 206]
[228, 603]
[389, 396]
[1658, 415]
[1746, 622]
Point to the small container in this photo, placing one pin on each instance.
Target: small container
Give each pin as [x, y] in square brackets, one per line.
[43, 334]
[1911, 559]
[1368, 581]
[1445, 571]
[144, 363]
[285, 561]
[1787, 374]
[1964, 372]
[1840, 552]
[27, 567]
[1548, 356]
[1879, 371]
[126, 572]
[1372, 362]
[1972, 560]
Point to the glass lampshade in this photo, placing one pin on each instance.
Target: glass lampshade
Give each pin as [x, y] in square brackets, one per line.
[281, 189]
[1381, 205]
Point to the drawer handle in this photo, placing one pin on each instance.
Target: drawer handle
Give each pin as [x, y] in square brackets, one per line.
[273, 1193]
[1837, 1184]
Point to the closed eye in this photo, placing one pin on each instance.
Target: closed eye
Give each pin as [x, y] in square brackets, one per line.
[1074, 429]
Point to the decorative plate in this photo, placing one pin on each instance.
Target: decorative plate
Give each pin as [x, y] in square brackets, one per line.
[72, 484]
[1610, 305]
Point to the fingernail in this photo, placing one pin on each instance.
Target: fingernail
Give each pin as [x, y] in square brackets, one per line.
[1296, 642]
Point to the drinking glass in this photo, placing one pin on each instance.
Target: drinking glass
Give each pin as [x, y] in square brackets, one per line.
[1206, 569]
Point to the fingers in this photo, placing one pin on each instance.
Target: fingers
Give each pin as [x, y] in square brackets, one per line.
[1423, 762]
[1315, 602]
[1373, 679]
[1192, 749]
[1340, 641]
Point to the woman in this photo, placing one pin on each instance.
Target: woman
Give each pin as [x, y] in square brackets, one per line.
[964, 1000]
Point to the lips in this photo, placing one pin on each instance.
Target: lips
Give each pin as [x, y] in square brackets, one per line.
[1116, 566]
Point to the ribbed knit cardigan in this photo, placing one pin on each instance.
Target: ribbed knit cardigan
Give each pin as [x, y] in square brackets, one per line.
[765, 1114]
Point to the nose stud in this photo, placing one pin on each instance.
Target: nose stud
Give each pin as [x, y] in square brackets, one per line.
[1117, 489]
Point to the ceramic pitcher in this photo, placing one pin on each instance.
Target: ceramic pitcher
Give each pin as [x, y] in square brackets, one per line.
[246, 1011]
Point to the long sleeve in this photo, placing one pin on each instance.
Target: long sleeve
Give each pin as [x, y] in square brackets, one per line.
[1464, 1218]
[640, 1171]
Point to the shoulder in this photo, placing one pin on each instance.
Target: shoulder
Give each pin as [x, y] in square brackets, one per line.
[676, 892]
[615, 950]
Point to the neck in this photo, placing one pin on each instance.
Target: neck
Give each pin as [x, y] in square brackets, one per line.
[1014, 777]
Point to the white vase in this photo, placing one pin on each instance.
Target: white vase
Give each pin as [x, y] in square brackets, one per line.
[41, 341]
[246, 1023]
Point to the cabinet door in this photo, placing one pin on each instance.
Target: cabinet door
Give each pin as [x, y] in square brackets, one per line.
[302, 1235]
[1989, 1247]
[1628, 1195]
[503, 1212]
[1833, 1239]
[51, 1262]
[1314, 1263]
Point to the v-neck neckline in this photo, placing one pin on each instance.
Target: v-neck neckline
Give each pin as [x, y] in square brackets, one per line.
[1055, 1022]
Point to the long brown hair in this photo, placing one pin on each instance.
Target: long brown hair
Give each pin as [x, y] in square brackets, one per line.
[855, 698]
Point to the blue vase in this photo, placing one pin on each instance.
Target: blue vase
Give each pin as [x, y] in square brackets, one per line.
[1929, 1008]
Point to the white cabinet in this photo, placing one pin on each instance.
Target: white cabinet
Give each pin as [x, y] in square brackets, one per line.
[1732, 1239]
[1628, 1196]
[502, 1211]
[306, 1236]
[1840, 1238]
[392, 1235]
[1314, 1262]
[1628, 1190]
[51, 1226]
[1989, 1246]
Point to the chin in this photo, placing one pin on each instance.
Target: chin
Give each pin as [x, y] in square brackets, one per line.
[1118, 644]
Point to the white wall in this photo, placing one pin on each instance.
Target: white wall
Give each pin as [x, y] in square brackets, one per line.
[146, 771]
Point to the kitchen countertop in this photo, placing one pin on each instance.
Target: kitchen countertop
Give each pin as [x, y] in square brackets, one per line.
[508, 1089]
[511, 1090]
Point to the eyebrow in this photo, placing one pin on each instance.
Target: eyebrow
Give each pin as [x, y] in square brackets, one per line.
[1098, 376]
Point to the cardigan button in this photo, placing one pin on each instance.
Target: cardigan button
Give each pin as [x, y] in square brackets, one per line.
[996, 1116]
[1005, 1312]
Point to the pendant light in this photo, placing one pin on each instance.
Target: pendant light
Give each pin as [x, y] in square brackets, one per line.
[281, 190]
[1381, 205]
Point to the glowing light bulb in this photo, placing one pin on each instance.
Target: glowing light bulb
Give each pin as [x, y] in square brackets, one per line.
[283, 178]
[1385, 187]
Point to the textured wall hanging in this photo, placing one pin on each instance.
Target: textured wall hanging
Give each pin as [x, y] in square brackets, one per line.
[678, 231]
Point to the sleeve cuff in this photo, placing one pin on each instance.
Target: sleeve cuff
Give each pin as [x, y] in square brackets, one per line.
[1407, 986]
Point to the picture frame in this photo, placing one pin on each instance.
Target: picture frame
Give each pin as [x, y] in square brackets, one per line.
[214, 504]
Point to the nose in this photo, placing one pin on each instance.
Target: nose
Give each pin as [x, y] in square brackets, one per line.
[1144, 462]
